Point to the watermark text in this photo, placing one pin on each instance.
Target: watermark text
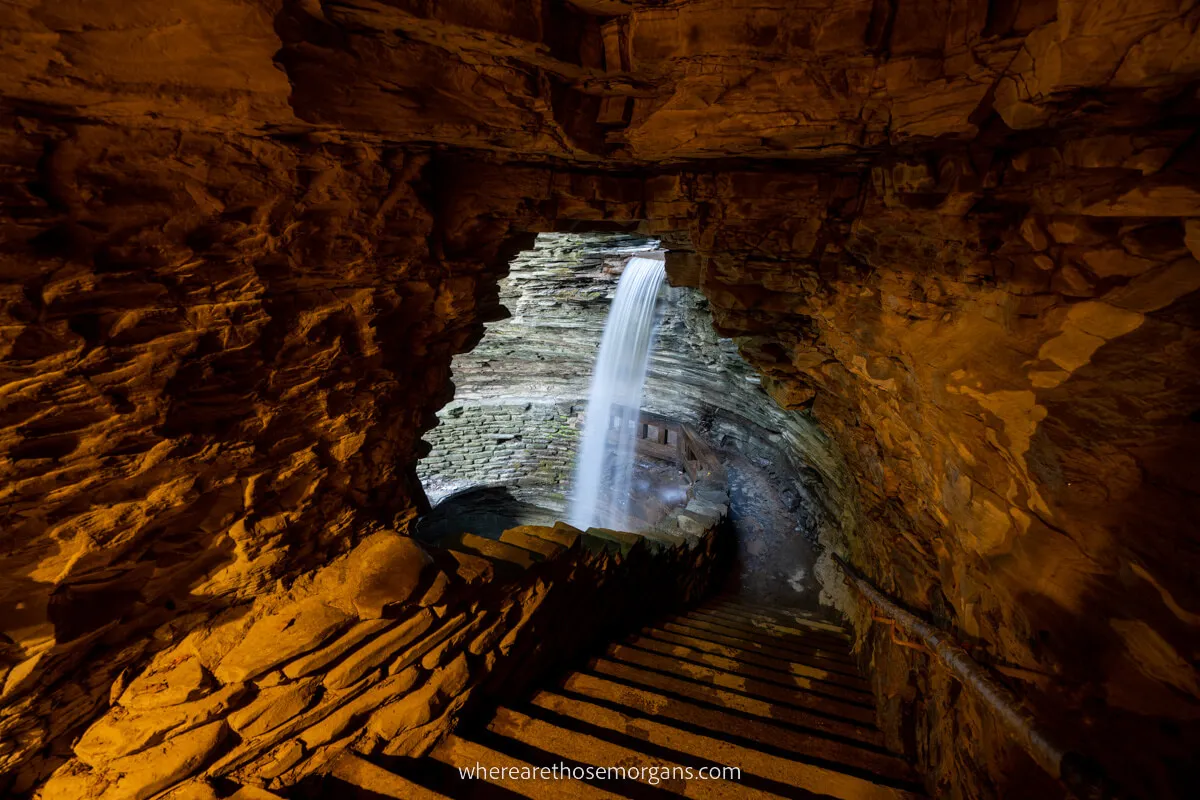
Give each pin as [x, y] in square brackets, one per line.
[650, 774]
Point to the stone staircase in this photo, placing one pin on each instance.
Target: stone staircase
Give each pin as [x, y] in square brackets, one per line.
[772, 692]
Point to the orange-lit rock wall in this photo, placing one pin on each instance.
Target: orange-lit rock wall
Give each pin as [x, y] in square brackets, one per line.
[241, 240]
[378, 652]
[1013, 391]
[219, 356]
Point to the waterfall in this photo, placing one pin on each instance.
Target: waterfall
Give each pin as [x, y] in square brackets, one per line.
[604, 475]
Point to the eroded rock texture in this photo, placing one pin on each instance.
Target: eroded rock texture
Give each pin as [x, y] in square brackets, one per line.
[380, 651]
[196, 376]
[241, 241]
[1017, 456]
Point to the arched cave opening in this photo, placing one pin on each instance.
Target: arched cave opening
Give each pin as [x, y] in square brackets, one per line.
[504, 450]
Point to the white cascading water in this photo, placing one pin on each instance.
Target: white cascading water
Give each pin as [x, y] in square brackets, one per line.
[604, 474]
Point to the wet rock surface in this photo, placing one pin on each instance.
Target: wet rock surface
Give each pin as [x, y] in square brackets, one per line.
[776, 555]
[521, 393]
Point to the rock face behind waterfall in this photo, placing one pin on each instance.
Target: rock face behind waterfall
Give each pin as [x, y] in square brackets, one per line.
[604, 470]
[520, 395]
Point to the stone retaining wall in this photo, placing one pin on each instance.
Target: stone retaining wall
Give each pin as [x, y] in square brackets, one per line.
[380, 652]
[525, 444]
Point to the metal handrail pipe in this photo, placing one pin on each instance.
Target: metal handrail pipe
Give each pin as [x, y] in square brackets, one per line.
[1081, 777]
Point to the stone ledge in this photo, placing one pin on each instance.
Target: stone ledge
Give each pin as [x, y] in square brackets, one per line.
[358, 658]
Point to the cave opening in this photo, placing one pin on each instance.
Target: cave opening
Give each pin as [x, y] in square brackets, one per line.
[504, 450]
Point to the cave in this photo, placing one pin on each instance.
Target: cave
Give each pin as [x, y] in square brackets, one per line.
[301, 305]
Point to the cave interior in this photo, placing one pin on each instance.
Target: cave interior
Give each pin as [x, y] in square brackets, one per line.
[299, 306]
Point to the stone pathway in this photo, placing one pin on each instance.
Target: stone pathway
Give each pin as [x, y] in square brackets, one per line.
[775, 561]
[772, 692]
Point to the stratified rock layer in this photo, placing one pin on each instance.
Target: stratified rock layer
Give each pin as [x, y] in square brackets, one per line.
[297, 677]
[241, 242]
[521, 393]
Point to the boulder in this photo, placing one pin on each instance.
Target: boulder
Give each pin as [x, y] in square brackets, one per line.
[384, 569]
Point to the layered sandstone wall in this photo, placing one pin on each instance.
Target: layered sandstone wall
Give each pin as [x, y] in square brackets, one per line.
[1012, 390]
[378, 652]
[215, 357]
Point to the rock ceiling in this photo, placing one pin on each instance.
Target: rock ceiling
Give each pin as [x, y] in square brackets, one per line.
[605, 84]
[242, 239]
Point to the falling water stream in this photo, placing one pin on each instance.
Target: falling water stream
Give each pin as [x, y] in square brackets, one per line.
[603, 472]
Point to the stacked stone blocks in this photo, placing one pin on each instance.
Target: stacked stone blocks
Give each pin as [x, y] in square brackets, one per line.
[525, 444]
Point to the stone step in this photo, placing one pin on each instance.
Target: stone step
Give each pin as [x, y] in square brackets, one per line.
[491, 549]
[770, 694]
[787, 612]
[842, 676]
[825, 654]
[716, 750]
[523, 538]
[736, 701]
[720, 679]
[813, 694]
[817, 650]
[572, 745]
[802, 745]
[606, 539]
[684, 637]
[372, 781]
[802, 637]
[821, 656]
[792, 632]
[464, 754]
[811, 624]
[782, 611]
[783, 616]
[665, 538]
